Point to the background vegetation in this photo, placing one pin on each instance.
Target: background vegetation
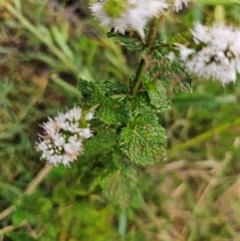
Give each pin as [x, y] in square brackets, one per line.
[45, 47]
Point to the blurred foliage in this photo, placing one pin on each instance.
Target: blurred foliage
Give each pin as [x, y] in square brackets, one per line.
[45, 47]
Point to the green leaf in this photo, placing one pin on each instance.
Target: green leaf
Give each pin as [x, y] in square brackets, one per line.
[180, 80]
[131, 40]
[172, 74]
[112, 88]
[143, 140]
[122, 162]
[91, 95]
[87, 88]
[181, 38]
[139, 103]
[156, 93]
[113, 112]
[101, 143]
[120, 188]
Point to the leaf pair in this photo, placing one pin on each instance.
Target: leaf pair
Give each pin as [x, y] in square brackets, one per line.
[111, 111]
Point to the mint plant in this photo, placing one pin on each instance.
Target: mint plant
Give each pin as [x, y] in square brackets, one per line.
[116, 126]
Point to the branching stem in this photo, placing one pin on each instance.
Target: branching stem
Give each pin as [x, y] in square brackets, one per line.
[150, 41]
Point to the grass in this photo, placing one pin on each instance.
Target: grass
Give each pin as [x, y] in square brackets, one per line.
[45, 48]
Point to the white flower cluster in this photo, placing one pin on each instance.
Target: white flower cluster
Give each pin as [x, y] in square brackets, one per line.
[216, 54]
[63, 138]
[127, 14]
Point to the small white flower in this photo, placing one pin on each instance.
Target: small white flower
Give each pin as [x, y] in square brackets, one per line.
[171, 56]
[217, 55]
[127, 14]
[63, 138]
[89, 116]
[86, 133]
[178, 5]
[185, 52]
[59, 141]
[74, 114]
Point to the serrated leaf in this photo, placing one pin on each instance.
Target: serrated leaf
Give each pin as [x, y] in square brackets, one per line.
[113, 112]
[91, 95]
[87, 88]
[143, 140]
[101, 143]
[171, 74]
[156, 93]
[131, 40]
[139, 103]
[111, 88]
[122, 162]
[181, 38]
[120, 188]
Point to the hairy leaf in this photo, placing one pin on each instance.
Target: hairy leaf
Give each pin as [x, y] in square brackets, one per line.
[111, 88]
[131, 40]
[122, 162]
[156, 93]
[181, 38]
[113, 112]
[143, 140]
[101, 143]
[139, 103]
[91, 95]
[120, 188]
[171, 73]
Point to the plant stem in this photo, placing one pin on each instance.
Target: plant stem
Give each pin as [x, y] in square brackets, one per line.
[219, 14]
[94, 107]
[152, 32]
[150, 41]
[122, 226]
[137, 79]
